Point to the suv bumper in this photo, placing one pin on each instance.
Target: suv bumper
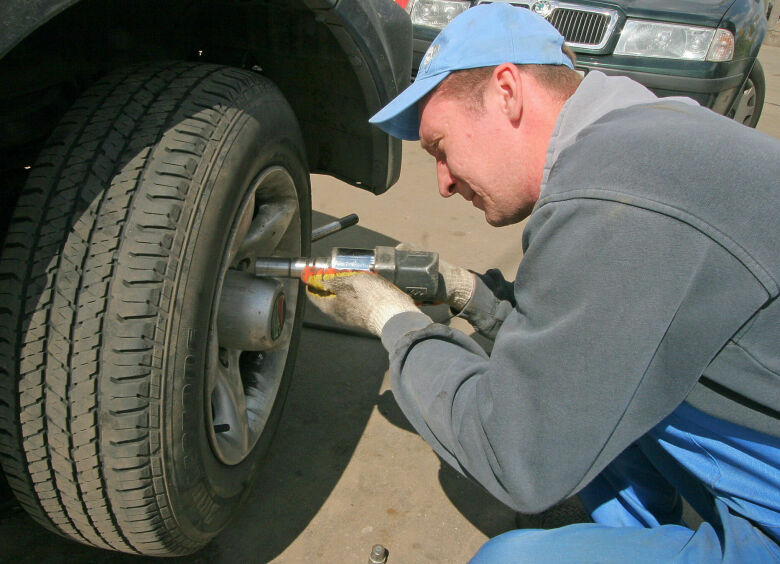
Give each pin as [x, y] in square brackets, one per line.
[715, 92]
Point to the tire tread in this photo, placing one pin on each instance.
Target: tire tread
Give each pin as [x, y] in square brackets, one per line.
[86, 278]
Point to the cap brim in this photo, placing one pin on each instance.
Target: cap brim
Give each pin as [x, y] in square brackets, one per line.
[400, 118]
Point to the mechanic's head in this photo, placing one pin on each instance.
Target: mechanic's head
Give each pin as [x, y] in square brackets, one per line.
[484, 104]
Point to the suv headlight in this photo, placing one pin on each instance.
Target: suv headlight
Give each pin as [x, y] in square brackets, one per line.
[435, 13]
[673, 41]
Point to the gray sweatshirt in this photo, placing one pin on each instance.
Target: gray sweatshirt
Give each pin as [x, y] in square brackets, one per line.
[650, 277]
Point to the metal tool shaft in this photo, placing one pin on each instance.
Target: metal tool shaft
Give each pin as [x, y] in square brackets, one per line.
[287, 267]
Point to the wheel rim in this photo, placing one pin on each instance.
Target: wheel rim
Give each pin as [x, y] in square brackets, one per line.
[242, 385]
[747, 104]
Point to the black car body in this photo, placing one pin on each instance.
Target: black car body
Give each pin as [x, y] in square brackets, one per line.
[731, 84]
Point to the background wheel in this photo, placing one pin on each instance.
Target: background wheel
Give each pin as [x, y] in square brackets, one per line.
[131, 416]
[751, 102]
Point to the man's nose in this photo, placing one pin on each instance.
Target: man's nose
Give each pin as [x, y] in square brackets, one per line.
[446, 181]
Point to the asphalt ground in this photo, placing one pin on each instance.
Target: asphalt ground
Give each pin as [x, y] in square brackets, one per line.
[346, 470]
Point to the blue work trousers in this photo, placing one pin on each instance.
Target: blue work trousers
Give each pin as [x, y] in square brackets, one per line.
[729, 474]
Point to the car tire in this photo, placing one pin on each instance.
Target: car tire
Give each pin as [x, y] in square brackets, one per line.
[751, 100]
[156, 189]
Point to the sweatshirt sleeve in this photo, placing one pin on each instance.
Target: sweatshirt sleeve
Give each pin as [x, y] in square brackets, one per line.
[617, 312]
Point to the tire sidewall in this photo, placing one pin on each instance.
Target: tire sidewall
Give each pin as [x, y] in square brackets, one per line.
[203, 492]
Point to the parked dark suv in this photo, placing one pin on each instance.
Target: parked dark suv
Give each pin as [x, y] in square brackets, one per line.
[702, 49]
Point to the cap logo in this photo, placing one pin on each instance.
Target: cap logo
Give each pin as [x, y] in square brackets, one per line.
[432, 51]
[544, 8]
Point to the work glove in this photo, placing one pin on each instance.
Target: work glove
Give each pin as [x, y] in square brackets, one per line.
[356, 298]
[456, 284]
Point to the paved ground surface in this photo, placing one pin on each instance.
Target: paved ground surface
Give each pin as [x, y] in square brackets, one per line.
[346, 470]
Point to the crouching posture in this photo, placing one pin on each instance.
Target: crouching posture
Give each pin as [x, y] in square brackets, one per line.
[637, 351]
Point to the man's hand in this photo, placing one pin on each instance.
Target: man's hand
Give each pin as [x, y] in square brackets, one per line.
[459, 285]
[456, 284]
[359, 299]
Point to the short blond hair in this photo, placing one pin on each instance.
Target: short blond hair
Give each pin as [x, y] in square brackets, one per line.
[469, 84]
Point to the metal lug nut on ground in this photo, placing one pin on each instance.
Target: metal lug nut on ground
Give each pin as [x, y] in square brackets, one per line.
[378, 555]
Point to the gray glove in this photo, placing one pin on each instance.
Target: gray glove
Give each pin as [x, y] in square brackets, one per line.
[458, 285]
[360, 299]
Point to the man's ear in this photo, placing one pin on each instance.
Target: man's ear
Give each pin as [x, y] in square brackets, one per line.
[508, 84]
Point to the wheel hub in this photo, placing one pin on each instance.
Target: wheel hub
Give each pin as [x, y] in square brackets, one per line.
[251, 312]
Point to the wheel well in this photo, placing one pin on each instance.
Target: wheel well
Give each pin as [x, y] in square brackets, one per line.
[290, 43]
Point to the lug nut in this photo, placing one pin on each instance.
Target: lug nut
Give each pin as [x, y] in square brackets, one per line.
[378, 555]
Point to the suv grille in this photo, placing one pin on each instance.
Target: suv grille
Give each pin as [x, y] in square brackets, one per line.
[579, 26]
[583, 27]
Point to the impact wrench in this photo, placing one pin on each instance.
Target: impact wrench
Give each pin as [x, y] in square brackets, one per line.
[253, 307]
[414, 272]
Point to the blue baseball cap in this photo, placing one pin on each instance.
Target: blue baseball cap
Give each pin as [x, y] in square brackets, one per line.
[484, 36]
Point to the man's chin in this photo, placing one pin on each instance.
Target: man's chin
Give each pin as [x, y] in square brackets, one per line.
[490, 216]
[497, 222]
[491, 222]
[503, 220]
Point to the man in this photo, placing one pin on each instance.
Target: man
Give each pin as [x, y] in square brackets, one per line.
[637, 354]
